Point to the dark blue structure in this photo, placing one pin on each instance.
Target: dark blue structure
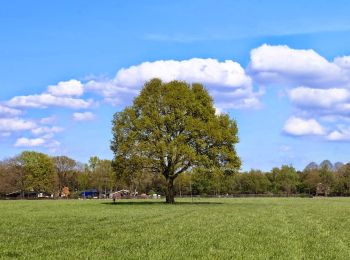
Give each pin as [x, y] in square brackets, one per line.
[89, 194]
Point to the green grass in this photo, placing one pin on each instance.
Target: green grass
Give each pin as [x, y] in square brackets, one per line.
[242, 228]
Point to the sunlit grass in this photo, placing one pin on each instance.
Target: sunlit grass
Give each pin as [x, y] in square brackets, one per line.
[243, 228]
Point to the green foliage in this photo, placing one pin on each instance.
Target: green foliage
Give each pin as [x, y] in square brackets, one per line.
[37, 171]
[311, 178]
[31, 171]
[66, 173]
[254, 182]
[343, 180]
[202, 182]
[326, 175]
[101, 174]
[8, 177]
[170, 128]
[327, 179]
[284, 179]
[84, 181]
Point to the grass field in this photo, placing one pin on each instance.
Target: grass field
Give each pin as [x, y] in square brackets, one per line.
[242, 228]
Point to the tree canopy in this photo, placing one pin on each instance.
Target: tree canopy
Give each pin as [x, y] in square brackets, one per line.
[21, 179]
[35, 171]
[171, 128]
[65, 170]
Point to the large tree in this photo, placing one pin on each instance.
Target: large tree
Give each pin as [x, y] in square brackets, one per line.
[8, 177]
[33, 171]
[253, 182]
[66, 170]
[102, 174]
[343, 179]
[285, 179]
[171, 128]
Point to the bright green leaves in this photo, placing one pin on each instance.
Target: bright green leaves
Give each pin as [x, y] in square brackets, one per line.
[171, 128]
[37, 171]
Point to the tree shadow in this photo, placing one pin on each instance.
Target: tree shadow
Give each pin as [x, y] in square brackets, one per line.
[140, 203]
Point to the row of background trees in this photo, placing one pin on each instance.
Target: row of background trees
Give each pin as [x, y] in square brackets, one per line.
[33, 171]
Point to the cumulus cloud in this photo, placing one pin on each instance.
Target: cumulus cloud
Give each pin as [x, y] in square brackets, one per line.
[320, 98]
[47, 130]
[37, 142]
[207, 71]
[64, 94]
[299, 127]
[16, 124]
[46, 100]
[338, 136]
[227, 81]
[112, 92]
[67, 88]
[48, 120]
[343, 62]
[281, 64]
[85, 116]
[318, 88]
[329, 105]
[27, 142]
[341, 134]
[39, 135]
[19, 125]
[9, 112]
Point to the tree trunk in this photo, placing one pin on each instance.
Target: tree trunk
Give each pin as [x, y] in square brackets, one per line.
[170, 191]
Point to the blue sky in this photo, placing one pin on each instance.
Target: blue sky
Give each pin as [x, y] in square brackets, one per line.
[280, 68]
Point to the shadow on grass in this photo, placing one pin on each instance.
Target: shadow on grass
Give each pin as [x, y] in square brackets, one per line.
[128, 203]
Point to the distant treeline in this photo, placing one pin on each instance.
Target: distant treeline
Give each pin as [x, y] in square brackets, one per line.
[38, 172]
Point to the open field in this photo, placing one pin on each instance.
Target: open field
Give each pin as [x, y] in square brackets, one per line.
[243, 228]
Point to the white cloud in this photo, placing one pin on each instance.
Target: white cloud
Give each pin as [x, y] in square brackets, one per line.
[319, 89]
[85, 116]
[319, 98]
[341, 134]
[64, 94]
[338, 136]
[9, 112]
[67, 88]
[45, 140]
[281, 64]
[113, 93]
[206, 71]
[343, 62]
[46, 133]
[227, 81]
[27, 142]
[45, 100]
[16, 124]
[37, 142]
[300, 127]
[46, 130]
[48, 120]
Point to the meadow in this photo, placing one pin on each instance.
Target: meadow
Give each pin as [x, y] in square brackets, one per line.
[236, 228]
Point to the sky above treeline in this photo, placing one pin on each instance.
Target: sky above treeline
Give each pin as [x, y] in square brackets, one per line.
[280, 68]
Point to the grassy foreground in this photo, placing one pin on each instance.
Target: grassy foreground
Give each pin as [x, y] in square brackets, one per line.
[242, 228]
